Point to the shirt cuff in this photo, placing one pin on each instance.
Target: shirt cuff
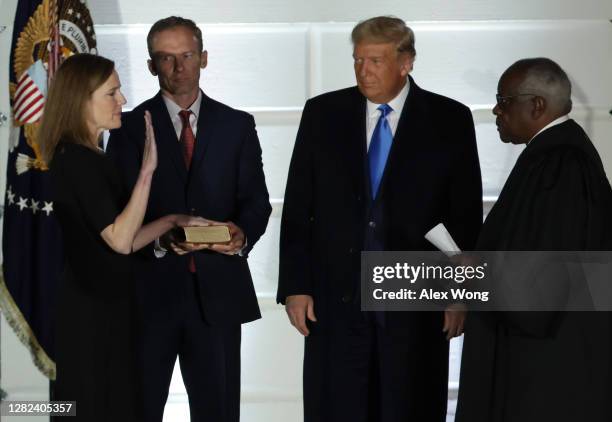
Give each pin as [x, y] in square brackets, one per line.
[158, 250]
[241, 252]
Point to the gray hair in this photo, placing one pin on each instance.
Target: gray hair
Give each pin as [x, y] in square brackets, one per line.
[384, 29]
[545, 78]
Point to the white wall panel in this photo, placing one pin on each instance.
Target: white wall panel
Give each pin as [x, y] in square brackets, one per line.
[600, 131]
[257, 66]
[331, 56]
[128, 11]
[127, 46]
[263, 260]
[6, 34]
[277, 146]
[248, 66]
[496, 158]
[272, 363]
[463, 60]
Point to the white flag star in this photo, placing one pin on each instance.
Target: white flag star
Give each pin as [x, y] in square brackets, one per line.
[48, 208]
[23, 203]
[35, 208]
[11, 197]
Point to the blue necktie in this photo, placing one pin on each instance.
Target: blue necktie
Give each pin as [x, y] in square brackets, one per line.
[382, 138]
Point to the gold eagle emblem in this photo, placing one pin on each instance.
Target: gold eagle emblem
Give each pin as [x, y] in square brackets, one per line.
[33, 45]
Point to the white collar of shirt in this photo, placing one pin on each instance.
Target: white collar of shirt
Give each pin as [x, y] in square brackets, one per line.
[373, 114]
[174, 109]
[555, 122]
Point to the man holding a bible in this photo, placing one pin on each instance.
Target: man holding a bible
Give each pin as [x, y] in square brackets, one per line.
[191, 298]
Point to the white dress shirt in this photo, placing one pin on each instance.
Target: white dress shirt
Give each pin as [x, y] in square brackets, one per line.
[174, 109]
[373, 114]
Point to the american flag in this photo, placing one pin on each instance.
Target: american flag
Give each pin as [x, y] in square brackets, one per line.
[29, 99]
[43, 33]
[30, 95]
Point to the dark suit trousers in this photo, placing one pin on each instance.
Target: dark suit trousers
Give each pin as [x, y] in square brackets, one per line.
[362, 373]
[209, 357]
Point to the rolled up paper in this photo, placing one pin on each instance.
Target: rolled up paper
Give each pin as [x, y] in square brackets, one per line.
[442, 239]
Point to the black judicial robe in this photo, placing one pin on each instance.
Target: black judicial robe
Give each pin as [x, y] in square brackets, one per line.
[553, 366]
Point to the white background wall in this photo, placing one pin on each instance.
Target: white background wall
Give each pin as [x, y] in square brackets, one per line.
[269, 56]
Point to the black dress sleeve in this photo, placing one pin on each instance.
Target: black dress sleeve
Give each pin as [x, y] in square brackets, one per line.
[87, 176]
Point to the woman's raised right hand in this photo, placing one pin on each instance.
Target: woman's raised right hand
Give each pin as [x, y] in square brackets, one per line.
[149, 154]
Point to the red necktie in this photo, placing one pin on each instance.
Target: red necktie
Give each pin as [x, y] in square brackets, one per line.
[187, 139]
[187, 143]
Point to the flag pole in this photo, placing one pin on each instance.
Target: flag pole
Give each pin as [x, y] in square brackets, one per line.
[53, 65]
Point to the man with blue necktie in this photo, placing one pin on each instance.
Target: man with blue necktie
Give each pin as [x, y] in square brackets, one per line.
[374, 167]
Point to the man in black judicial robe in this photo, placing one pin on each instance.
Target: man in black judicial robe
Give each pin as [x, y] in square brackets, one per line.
[541, 366]
[359, 366]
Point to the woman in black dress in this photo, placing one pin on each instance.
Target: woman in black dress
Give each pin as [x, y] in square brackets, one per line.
[101, 225]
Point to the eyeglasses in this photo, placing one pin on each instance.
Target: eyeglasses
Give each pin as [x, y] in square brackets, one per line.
[503, 101]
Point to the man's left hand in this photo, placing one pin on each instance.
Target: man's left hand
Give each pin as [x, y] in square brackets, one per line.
[236, 243]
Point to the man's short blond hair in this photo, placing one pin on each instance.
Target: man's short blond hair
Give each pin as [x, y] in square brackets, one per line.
[385, 29]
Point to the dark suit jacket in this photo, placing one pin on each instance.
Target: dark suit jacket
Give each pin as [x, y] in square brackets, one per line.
[432, 175]
[225, 182]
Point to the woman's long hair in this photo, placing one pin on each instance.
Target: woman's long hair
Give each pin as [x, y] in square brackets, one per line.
[65, 114]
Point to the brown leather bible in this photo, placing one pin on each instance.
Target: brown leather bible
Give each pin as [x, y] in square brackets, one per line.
[203, 234]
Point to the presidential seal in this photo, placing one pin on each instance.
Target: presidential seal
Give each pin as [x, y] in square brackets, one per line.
[56, 30]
